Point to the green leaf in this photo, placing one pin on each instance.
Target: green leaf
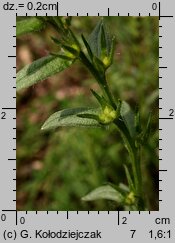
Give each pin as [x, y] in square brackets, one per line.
[62, 56]
[70, 49]
[74, 39]
[40, 70]
[99, 65]
[112, 49]
[94, 39]
[56, 41]
[89, 116]
[100, 99]
[107, 39]
[68, 20]
[58, 23]
[129, 118]
[104, 192]
[123, 188]
[87, 47]
[100, 41]
[70, 118]
[28, 25]
[146, 132]
[137, 121]
[103, 40]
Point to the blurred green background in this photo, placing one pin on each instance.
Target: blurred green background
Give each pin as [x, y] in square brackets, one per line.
[55, 169]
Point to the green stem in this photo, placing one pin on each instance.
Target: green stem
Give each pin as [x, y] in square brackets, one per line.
[109, 94]
[134, 154]
[100, 77]
[141, 204]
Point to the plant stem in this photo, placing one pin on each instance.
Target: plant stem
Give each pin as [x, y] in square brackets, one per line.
[141, 204]
[134, 154]
[109, 94]
[100, 77]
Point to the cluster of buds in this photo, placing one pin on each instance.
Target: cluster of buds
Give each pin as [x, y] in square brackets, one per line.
[130, 199]
[100, 49]
[107, 115]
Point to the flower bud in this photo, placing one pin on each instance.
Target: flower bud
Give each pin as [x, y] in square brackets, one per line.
[130, 199]
[108, 115]
[106, 61]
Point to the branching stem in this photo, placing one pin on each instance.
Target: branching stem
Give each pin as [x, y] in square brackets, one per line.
[134, 152]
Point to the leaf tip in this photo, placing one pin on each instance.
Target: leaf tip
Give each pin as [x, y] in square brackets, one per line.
[43, 127]
[83, 199]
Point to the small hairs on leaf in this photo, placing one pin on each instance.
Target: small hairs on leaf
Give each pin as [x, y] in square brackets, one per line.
[104, 192]
[72, 118]
[28, 25]
[40, 70]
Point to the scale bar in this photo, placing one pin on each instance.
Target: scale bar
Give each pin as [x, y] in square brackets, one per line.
[8, 108]
[166, 16]
[9, 210]
[165, 118]
[57, 8]
[118, 218]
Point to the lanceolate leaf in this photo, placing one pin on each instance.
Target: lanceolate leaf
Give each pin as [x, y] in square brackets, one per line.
[100, 99]
[28, 25]
[100, 41]
[87, 47]
[94, 39]
[104, 192]
[70, 118]
[128, 116]
[40, 70]
[147, 129]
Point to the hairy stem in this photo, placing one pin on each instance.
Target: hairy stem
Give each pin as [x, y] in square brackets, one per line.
[100, 77]
[134, 154]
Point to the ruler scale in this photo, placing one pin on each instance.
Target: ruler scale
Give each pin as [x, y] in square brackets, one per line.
[97, 226]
